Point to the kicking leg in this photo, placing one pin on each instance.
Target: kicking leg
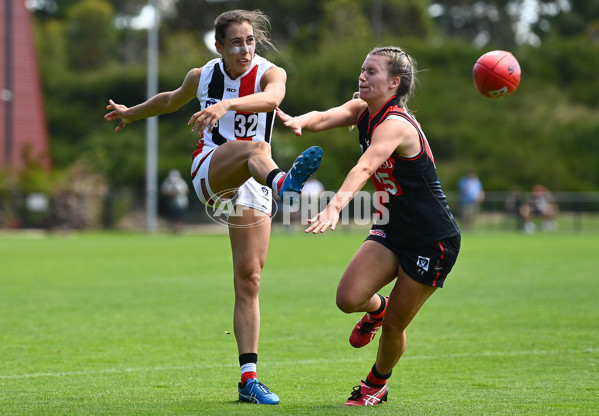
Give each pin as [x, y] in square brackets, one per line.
[235, 162]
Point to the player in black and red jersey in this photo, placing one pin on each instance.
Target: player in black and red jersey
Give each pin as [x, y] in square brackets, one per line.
[415, 241]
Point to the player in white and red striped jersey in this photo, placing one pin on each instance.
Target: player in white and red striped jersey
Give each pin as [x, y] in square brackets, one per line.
[238, 93]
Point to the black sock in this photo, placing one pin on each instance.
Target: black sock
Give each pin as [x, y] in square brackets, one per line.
[271, 176]
[377, 379]
[249, 357]
[382, 307]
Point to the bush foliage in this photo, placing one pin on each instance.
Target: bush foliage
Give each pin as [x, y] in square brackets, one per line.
[544, 133]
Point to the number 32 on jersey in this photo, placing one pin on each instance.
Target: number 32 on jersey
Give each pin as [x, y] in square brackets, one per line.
[245, 125]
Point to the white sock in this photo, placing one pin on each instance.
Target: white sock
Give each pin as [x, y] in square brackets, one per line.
[275, 181]
[248, 367]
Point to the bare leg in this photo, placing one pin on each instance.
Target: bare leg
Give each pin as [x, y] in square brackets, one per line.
[406, 299]
[373, 267]
[235, 162]
[250, 247]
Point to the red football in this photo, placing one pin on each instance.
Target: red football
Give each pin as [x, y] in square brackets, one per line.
[496, 74]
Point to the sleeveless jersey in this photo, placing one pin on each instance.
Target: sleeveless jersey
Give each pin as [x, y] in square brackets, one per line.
[215, 85]
[417, 209]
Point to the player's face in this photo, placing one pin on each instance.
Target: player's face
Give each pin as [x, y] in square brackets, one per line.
[238, 48]
[374, 81]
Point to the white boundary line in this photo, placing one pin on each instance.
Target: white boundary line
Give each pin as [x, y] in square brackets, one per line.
[292, 363]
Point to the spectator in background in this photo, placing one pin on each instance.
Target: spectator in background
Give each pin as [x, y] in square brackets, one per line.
[540, 204]
[471, 195]
[513, 206]
[175, 190]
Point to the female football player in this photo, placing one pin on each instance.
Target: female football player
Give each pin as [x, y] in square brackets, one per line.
[415, 241]
[238, 93]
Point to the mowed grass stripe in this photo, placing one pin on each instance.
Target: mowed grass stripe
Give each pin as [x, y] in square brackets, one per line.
[297, 363]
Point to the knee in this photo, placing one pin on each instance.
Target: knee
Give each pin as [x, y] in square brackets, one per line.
[247, 282]
[346, 303]
[394, 328]
[262, 148]
[391, 327]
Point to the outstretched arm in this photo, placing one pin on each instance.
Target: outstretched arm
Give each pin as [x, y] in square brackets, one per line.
[162, 103]
[344, 115]
[390, 136]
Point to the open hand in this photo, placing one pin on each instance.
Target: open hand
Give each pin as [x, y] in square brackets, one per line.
[324, 220]
[117, 113]
[208, 117]
[291, 122]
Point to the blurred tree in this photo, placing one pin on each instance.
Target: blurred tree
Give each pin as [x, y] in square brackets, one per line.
[580, 19]
[400, 18]
[506, 23]
[58, 9]
[90, 34]
[301, 21]
[52, 51]
[343, 21]
[478, 22]
[323, 45]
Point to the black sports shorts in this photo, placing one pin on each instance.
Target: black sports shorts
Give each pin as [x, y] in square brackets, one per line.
[428, 264]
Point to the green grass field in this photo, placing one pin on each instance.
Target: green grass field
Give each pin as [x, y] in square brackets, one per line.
[135, 324]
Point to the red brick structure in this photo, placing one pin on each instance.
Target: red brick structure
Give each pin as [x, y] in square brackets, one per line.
[23, 130]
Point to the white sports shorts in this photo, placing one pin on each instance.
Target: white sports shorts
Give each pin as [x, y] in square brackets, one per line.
[250, 194]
